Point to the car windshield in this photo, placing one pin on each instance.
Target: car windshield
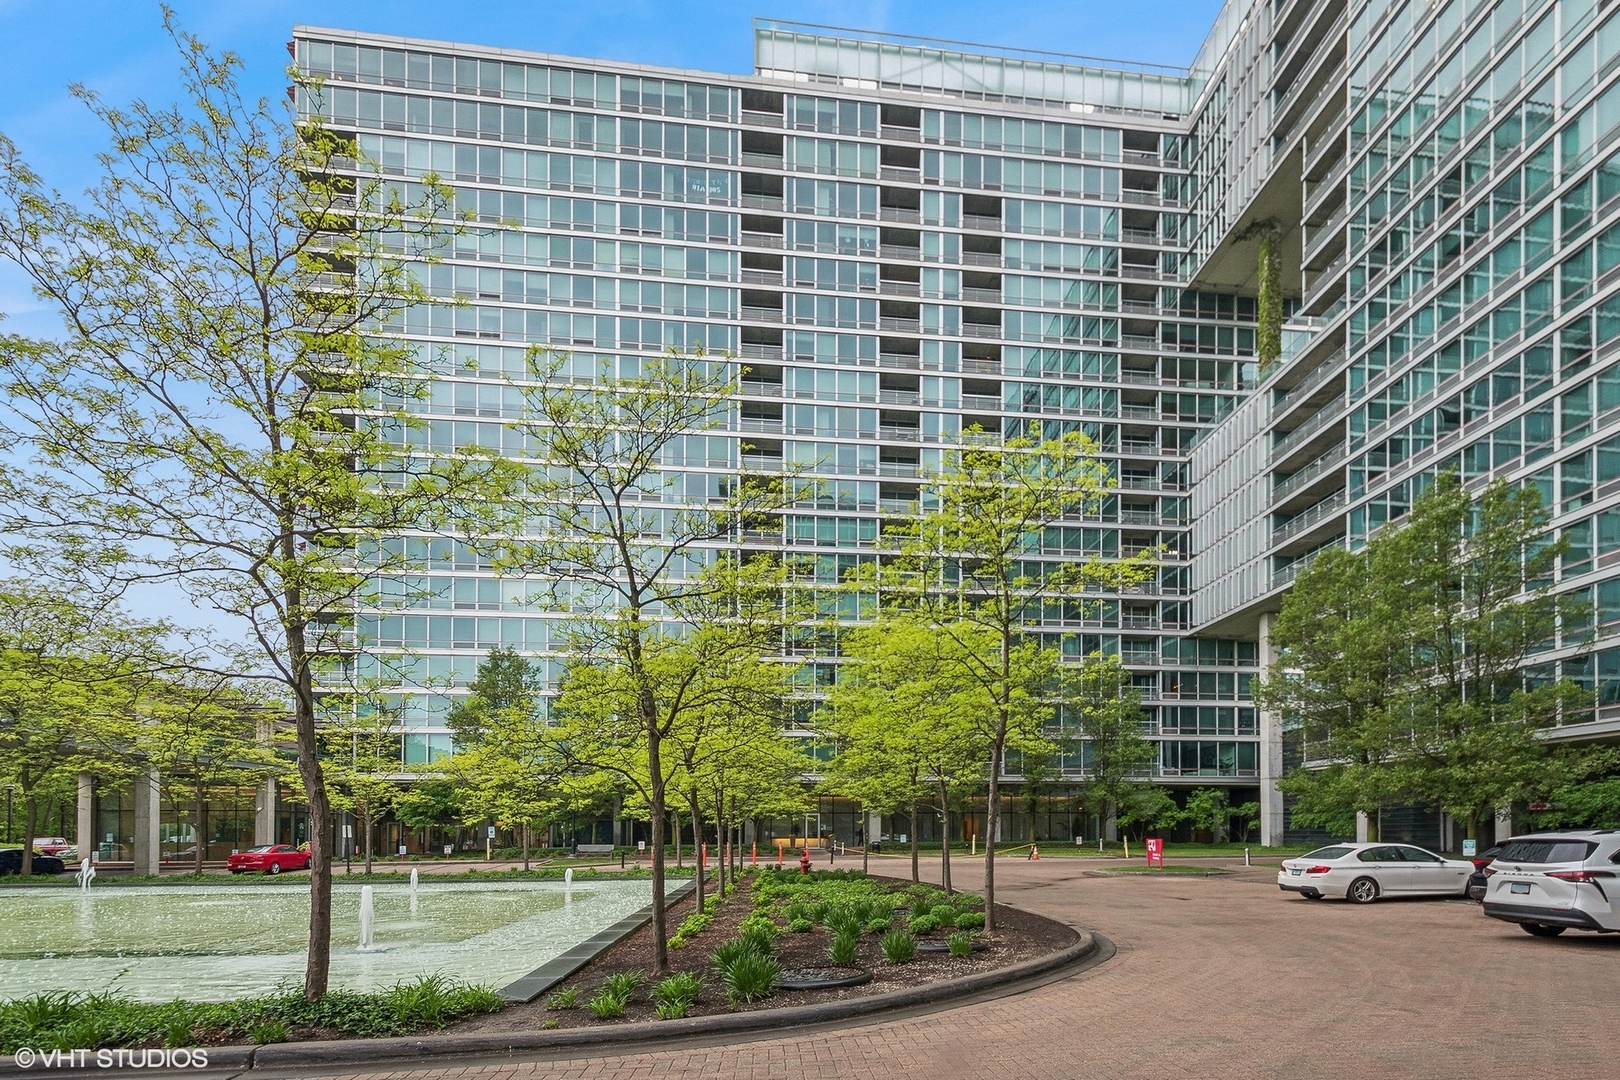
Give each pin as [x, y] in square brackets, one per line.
[1328, 853]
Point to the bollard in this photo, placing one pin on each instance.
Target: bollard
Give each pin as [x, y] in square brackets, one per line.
[1246, 861]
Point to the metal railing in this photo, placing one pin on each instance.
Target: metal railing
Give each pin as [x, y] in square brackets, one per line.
[1307, 518]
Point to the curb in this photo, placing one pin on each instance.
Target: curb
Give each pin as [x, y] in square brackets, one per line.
[633, 1036]
[526, 988]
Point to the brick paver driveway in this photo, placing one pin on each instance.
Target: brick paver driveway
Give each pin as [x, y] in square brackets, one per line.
[1221, 978]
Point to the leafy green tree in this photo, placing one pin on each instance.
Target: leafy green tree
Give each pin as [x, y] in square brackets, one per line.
[364, 764]
[503, 762]
[1105, 713]
[201, 732]
[906, 719]
[74, 680]
[1149, 808]
[970, 564]
[674, 620]
[223, 409]
[1403, 664]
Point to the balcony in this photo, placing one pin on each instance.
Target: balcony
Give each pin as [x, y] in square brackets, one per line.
[761, 119]
[762, 277]
[899, 214]
[762, 161]
[757, 351]
[980, 258]
[892, 251]
[1307, 518]
[1312, 470]
[1332, 411]
[761, 314]
[981, 330]
[762, 240]
[762, 202]
[899, 288]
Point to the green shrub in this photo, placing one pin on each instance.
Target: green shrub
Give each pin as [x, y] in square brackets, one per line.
[923, 924]
[177, 1032]
[750, 977]
[801, 926]
[968, 902]
[691, 927]
[880, 926]
[550, 1025]
[844, 949]
[566, 998]
[270, 1031]
[969, 920]
[898, 946]
[79, 1020]
[606, 1005]
[624, 984]
[683, 986]
[961, 943]
[760, 926]
[945, 913]
[758, 938]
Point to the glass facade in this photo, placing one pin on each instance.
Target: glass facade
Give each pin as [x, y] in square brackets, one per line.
[901, 241]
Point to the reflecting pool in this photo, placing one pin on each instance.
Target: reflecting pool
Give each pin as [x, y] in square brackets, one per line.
[217, 942]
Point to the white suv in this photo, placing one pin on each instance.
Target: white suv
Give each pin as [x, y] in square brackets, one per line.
[1549, 882]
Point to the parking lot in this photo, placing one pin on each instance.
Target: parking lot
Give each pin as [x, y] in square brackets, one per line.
[1219, 977]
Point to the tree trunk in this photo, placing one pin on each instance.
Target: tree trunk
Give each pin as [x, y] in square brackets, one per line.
[658, 807]
[675, 815]
[992, 821]
[367, 811]
[525, 847]
[318, 967]
[197, 829]
[697, 843]
[914, 841]
[30, 823]
[866, 845]
[945, 845]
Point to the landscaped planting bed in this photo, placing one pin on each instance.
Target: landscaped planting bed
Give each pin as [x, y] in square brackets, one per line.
[780, 929]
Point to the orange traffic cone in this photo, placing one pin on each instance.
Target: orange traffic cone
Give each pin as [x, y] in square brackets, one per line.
[1034, 853]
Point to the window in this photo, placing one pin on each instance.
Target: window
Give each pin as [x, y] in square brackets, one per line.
[1546, 851]
[1380, 855]
[1418, 855]
[1327, 853]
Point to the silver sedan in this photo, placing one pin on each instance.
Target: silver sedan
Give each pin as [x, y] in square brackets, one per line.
[1361, 873]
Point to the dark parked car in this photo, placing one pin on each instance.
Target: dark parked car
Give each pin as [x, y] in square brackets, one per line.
[1476, 880]
[11, 862]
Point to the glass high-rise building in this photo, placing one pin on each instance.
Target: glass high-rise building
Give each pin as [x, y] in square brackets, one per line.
[902, 240]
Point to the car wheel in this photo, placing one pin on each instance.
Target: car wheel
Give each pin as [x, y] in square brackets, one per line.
[1542, 929]
[273, 868]
[1312, 895]
[1363, 890]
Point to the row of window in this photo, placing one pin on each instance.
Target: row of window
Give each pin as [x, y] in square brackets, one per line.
[513, 80]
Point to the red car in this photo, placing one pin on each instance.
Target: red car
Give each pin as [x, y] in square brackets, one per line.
[269, 859]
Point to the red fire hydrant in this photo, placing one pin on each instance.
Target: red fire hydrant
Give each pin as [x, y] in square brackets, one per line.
[804, 862]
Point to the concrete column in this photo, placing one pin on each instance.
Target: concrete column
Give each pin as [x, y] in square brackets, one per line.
[1363, 828]
[264, 814]
[85, 830]
[1111, 828]
[874, 827]
[147, 810]
[1504, 823]
[1270, 752]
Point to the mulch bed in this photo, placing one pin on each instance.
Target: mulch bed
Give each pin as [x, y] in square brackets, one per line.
[1019, 936]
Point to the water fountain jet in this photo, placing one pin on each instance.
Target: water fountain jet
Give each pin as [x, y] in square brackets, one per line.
[86, 874]
[368, 912]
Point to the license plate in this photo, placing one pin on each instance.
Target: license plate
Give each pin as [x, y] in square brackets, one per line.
[1521, 888]
[1296, 872]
